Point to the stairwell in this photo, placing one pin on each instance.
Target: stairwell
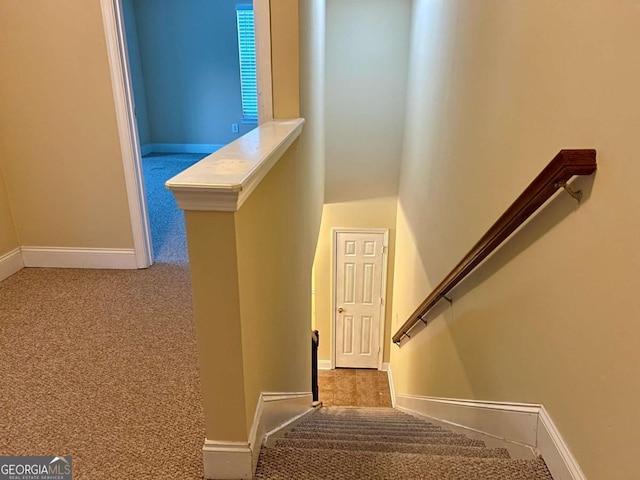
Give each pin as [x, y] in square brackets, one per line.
[383, 443]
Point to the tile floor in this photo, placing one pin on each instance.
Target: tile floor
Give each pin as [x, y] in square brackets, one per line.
[354, 388]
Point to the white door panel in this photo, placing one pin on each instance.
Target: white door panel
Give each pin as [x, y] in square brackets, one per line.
[358, 298]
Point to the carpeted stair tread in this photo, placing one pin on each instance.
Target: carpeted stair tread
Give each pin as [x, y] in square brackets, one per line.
[348, 428]
[381, 424]
[409, 431]
[319, 464]
[444, 440]
[351, 443]
[365, 415]
[342, 421]
[364, 412]
[376, 446]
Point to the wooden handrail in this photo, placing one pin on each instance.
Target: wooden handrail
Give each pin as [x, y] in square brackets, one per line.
[565, 165]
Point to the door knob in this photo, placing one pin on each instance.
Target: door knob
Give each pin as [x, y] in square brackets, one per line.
[340, 309]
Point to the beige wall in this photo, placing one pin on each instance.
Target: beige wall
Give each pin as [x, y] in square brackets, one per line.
[8, 239]
[497, 88]
[366, 74]
[285, 51]
[312, 91]
[277, 230]
[58, 134]
[213, 260]
[374, 213]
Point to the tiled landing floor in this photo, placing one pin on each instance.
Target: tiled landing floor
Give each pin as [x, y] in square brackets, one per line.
[354, 388]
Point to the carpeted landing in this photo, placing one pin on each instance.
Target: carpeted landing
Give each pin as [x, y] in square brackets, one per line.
[165, 218]
[102, 365]
[349, 443]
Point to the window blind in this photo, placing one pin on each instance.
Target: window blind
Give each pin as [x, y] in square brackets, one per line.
[247, 52]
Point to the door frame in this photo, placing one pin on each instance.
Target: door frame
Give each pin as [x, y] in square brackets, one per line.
[113, 21]
[116, 43]
[383, 285]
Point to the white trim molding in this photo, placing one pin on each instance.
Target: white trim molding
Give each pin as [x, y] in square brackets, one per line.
[113, 23]
[238, 460]
[275, 412]
[225, 179]
[324, 365]
[11, 263]
[386, 367]
[559, 459]
[227, 460]
[54, 257]
[524, 423]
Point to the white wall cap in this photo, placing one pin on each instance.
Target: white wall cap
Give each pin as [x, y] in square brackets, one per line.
[223, 180]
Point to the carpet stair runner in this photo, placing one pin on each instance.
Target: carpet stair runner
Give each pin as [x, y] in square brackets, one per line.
[349, 443]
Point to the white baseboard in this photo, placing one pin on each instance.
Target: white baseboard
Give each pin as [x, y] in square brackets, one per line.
[528, 424]
[238, 460]
[227, 460]
[386, 367]
[53, 257]
[179, 148]
[10, 263]
[513, 422]
[324, 364]
[561, 463]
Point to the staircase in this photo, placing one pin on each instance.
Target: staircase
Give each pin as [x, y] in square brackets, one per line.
[345, 443]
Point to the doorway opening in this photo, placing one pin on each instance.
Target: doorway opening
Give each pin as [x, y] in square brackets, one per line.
[194, 86]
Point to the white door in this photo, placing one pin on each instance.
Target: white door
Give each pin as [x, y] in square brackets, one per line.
[359, 261]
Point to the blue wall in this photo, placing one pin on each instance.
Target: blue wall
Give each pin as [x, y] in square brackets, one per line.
[189, 64]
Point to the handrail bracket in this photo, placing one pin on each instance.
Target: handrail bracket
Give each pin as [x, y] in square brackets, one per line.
[450, 300]
[577, 194]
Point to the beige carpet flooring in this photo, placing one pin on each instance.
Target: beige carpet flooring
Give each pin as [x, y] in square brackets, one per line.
[102, 365]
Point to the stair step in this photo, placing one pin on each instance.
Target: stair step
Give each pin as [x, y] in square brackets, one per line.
[365, 412]
[398, 416]
[377, 430]
[321, 464]
[382, 427]
[376, 446]
[430, 439]
[362, 423]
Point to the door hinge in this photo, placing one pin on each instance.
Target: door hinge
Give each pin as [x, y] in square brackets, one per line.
[381, 301]
[384, 249]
